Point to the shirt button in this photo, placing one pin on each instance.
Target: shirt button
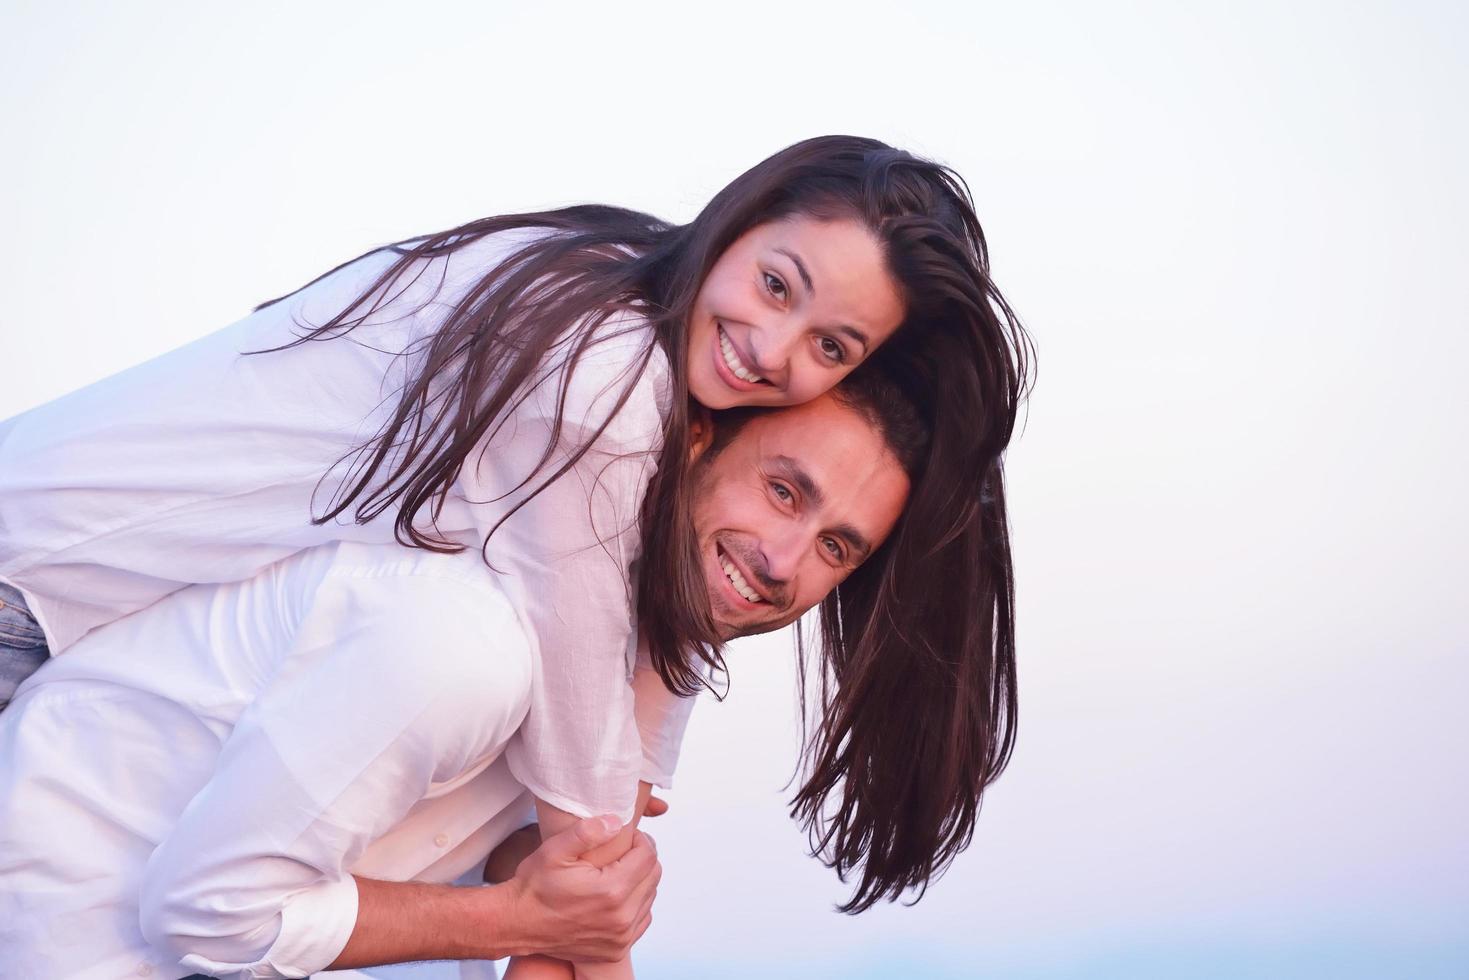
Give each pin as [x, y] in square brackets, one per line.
[442, 840]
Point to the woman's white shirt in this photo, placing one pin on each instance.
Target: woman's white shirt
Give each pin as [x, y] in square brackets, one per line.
[202, 466]
[191, 788]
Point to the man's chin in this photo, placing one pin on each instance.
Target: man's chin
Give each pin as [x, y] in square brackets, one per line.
[734, 630]
[729, 631]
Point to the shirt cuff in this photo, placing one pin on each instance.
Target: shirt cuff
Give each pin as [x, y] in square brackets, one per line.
[618, 795]
[315, 926]
[655, 772]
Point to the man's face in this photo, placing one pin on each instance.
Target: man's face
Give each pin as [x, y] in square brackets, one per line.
[794, 503]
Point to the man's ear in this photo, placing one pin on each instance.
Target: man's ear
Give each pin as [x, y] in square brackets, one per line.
[701, 431]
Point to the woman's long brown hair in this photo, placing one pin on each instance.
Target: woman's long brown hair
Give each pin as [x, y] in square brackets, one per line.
[917, 692]
[917, 647]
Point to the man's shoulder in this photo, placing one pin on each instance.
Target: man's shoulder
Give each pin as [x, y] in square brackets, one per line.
[443, 608]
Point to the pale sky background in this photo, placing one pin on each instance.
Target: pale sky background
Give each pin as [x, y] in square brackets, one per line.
[1237, 233]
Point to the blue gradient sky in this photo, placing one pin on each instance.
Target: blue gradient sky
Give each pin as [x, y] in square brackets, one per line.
[1237, 235]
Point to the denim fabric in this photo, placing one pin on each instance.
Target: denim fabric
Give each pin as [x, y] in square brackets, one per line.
[22, 644]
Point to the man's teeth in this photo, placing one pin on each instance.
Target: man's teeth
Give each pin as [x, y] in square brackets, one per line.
[738, 581]
[732, 360]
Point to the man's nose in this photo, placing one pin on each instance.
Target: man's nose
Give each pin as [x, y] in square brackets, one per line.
[783, 556]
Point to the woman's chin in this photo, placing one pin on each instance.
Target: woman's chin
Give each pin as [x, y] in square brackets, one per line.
[711, 393]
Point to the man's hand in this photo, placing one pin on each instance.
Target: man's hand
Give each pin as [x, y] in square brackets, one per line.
[567, 908]
[506, 857]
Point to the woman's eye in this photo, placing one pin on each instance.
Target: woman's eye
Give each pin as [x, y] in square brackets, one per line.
[833, 350]
[776, 286]
[781, 493]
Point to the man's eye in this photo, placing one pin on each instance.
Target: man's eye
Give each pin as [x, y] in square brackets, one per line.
[776, 286]
[833, 350]
[833, 546]
[780, 492]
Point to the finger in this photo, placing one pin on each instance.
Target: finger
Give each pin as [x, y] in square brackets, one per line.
[580, 837]
[645, 888]
[646, 899]
[639, 861]
[642, 927]
[656, 807]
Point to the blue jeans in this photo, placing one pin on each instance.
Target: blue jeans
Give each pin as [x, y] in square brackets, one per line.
[22, 644]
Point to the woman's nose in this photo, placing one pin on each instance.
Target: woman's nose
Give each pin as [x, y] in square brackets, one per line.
[773, 348]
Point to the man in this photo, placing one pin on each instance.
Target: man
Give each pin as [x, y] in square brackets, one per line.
[310, 756]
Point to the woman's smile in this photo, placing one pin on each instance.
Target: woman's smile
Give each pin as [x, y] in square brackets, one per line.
[733, 369]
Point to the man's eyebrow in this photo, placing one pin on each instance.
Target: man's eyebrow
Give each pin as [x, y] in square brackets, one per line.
[855, 538]
[796, 473]
[852, 332]
[858, 336]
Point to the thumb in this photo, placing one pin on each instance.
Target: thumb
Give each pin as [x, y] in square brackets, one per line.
[580, 837]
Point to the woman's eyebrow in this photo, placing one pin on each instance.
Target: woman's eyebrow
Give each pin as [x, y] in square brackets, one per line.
[800, 268]
[852, 332]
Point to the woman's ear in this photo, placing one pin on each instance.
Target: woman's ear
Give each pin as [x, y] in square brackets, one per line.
[701, 431]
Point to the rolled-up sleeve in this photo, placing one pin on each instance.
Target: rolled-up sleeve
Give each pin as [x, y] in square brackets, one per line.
[662, 718]
[391, 685]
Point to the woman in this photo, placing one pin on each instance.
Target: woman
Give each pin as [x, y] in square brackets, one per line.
[516, 375]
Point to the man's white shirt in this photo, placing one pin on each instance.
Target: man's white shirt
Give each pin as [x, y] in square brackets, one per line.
[192, 787]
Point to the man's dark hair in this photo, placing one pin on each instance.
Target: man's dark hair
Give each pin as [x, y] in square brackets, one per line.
[869, 393]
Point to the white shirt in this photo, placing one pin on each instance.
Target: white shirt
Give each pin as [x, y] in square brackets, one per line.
[200, 466]
[191, 788]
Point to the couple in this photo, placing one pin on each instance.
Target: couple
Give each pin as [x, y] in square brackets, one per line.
[274, 732]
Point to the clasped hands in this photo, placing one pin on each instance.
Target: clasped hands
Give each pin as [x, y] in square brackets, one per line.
[580, 911]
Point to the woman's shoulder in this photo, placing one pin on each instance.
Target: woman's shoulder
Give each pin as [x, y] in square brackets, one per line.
[590, 368]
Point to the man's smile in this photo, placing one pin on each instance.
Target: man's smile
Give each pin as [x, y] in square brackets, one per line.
[737, 582]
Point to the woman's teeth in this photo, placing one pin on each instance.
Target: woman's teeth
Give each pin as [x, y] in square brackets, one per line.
[738, 581]
[732, 360]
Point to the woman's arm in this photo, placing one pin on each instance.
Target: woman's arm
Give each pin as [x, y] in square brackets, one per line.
[566, 550]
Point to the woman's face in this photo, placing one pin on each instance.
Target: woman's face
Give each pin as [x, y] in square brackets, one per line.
[788, 310]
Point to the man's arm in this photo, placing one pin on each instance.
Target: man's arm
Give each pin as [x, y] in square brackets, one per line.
[557, 904]
[255, 875]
